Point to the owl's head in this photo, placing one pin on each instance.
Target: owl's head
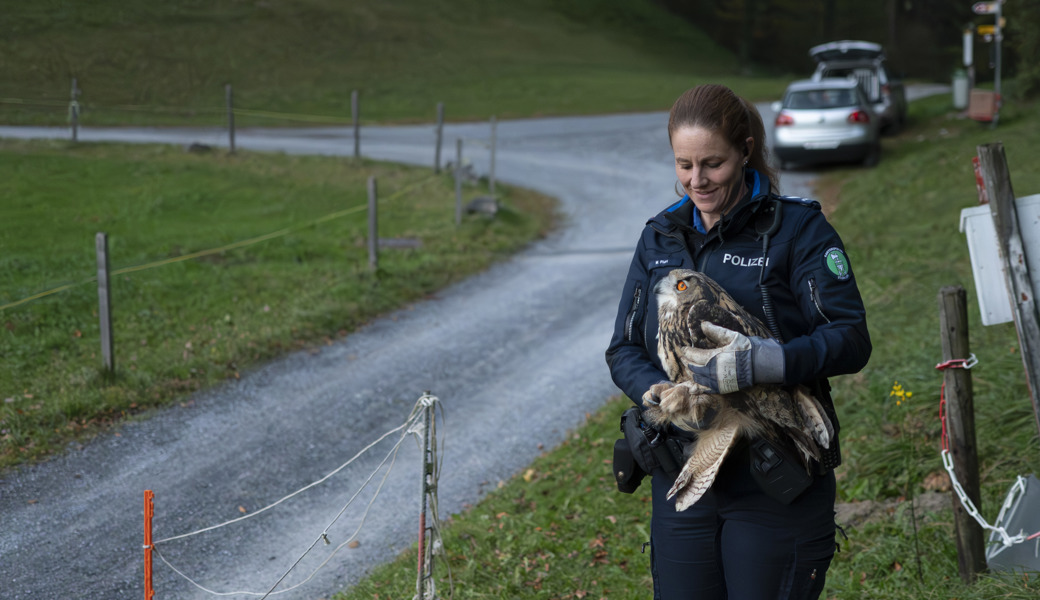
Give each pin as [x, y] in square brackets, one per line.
[680, 287]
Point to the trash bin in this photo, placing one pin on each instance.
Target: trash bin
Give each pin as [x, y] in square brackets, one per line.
[960, 89]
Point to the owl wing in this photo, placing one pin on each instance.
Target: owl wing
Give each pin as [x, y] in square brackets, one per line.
[703, 465]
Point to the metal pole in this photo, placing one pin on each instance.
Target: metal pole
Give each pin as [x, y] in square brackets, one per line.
[440, 137]
[104, 301]
[458, 181]
[491, 174]
[998, 38]
[373, 226]
[74, 110]
[230, 117]
[149, 511]
[355, 115]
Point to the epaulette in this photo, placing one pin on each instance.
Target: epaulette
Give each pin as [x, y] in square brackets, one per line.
[799, 200]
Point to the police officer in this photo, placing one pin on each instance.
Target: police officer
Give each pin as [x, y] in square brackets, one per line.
[784, 263]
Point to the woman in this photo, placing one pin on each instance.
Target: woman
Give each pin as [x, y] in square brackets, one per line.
[737, 542]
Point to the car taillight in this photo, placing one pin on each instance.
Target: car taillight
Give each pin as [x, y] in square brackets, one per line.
[784, 119]
[859, 116]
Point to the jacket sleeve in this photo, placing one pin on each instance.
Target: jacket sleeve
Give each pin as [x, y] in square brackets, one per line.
[824, 286]
[631, 366]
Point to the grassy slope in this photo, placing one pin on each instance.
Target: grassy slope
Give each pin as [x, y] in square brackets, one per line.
[479, 57]
[560, 530]
[189, 324]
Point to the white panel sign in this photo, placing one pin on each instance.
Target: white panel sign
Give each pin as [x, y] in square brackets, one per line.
[986, 265]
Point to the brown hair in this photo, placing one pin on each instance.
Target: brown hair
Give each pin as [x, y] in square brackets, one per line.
[716, 108]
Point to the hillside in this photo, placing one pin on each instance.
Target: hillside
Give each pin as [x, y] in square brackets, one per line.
[146, 62]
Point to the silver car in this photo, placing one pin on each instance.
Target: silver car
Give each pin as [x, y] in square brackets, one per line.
[829, 120]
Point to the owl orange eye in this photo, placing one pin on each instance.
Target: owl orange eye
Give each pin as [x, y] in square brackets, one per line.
[681, 286]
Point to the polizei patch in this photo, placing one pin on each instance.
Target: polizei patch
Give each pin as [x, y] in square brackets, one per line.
[837, 263]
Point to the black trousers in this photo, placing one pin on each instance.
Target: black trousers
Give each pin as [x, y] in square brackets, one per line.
[736, 543]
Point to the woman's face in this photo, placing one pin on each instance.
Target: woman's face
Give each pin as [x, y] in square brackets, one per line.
[710, 170]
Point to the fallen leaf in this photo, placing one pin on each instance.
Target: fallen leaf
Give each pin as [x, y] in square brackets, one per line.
[354, 544]
[78, 333]
[528, 475]
[242, 509]
[612, 519]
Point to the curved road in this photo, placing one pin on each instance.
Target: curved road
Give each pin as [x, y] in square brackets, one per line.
[515, 356]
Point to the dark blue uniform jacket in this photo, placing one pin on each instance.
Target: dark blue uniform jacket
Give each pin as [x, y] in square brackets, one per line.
[818, 307]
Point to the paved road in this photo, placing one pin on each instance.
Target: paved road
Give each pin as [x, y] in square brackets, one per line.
[515, 356]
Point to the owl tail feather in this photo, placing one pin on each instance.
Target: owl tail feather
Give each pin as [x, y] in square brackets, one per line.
[700, 469]
[821, 428]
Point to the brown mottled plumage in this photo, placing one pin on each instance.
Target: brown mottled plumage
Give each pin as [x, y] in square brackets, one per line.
[685, 300]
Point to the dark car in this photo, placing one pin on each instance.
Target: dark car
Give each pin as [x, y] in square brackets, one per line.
[865, 62]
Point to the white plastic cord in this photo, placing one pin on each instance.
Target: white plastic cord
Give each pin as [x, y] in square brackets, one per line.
[969, 506]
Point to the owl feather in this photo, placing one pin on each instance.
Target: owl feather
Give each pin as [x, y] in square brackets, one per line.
[686, 299]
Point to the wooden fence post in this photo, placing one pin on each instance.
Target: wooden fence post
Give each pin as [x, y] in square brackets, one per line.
[491, 172]
[960, 427]
[440, 137]
[230, 117]
[373, 226]
[355, 114]
[997, 180]
[458, 181]
[104, 302]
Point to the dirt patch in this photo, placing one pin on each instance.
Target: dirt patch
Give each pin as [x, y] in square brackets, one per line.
[854, 514]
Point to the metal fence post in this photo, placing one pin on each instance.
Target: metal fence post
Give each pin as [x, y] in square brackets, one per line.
[440, 137]
[491, 173]
[74, 110]
[355, 114]
[373, 226]
[458, 181]
[230, 117]
[104, 301]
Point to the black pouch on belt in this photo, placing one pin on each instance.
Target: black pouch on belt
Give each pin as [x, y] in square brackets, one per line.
[641, 451]
[778, 470]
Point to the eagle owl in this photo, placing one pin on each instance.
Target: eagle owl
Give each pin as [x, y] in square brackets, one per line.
[685, 300]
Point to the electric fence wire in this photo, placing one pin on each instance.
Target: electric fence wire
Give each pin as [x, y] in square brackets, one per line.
[406, 429]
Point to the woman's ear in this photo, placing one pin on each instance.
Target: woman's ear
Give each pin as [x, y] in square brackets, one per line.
[749, 146]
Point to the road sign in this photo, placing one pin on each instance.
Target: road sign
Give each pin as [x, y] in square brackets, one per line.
[984, 8]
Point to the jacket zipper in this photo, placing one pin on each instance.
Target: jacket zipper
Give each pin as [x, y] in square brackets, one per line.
[814, 294]
[636, 297]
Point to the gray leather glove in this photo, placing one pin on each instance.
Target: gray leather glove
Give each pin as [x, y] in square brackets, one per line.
[738, 363]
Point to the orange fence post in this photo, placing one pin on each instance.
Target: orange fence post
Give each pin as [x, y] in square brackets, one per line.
[148, 512]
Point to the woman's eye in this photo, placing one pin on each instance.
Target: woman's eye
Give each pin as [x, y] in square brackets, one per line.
[681, 286]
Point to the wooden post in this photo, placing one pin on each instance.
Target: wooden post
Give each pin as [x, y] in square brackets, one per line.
[373, 226]
[424, 570]
[458, 181]
[440, 137]
[355, 114]
[104, 302]
[229, 99]
[960, 426]
[997, 180]
[491, 172]
[149, 511]
[74, 110]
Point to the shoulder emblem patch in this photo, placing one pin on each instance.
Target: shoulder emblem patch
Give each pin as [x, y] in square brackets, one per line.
[837, 263]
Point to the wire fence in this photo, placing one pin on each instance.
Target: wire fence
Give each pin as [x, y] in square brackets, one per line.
[420, 425]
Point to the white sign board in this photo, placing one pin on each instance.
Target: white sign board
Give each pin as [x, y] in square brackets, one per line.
[986, 264]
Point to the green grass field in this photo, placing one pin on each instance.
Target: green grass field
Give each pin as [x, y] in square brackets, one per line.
[187, 324]
[141, 62]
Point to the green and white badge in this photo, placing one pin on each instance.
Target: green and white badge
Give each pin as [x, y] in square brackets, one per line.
[837, 263]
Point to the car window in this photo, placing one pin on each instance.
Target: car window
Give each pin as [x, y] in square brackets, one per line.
[809, 99]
